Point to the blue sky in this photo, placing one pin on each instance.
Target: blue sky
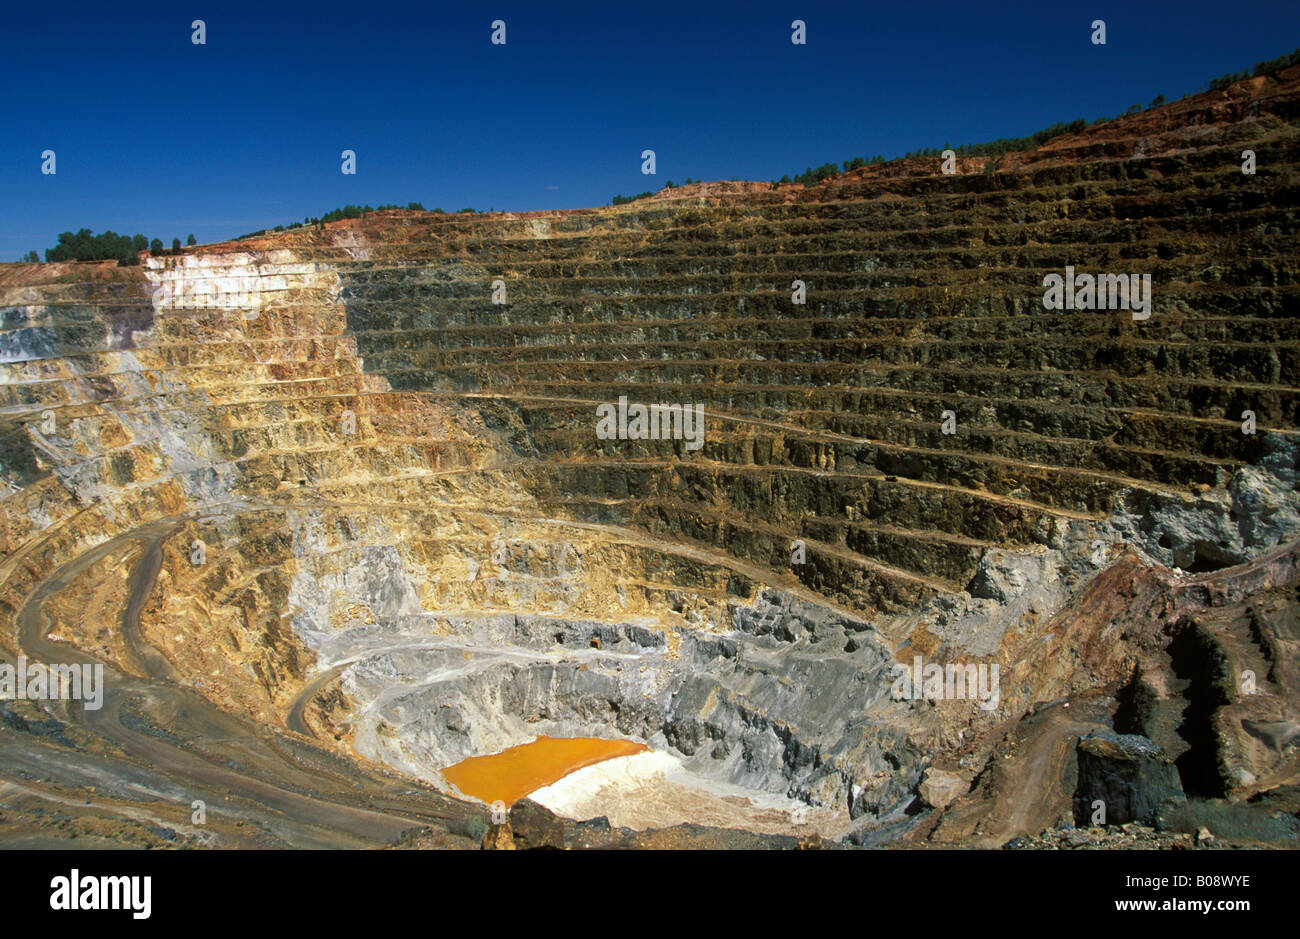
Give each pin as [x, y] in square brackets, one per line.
[154, 134]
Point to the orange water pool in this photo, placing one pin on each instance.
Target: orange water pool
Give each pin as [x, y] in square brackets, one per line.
[511, 774]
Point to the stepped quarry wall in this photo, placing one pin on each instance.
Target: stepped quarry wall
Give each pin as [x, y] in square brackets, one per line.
[386, 519]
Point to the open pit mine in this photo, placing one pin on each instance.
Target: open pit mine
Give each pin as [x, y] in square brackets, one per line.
[593, 528]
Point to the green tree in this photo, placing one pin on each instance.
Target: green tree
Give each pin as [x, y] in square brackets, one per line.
[191, 240]
[31, 258]
[156, 247]
[176, 246]
[84, 245]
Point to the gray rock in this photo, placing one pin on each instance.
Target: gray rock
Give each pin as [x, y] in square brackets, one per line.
[1129, 773]
[1002, 576]
[1258, 509]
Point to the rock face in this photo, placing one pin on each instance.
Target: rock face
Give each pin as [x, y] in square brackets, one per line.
[1128, 775]
[367, 505]
[939, 788]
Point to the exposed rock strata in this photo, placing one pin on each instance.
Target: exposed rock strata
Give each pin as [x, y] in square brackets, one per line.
[376, 513]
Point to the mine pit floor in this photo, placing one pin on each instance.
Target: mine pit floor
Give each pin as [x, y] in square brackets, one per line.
[631, 785]
[653, 789]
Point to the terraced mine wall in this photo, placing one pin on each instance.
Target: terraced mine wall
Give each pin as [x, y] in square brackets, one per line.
[394, 527]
